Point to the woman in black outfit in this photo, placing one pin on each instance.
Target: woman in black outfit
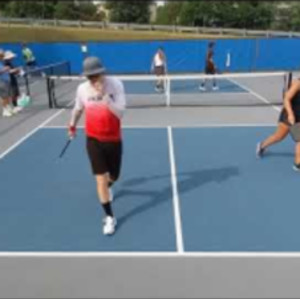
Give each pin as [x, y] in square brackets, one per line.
[289, 115]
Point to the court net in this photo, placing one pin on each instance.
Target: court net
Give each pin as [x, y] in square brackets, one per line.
[34, 80]
[235, 89]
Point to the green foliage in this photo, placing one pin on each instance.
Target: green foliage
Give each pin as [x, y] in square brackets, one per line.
[129, 11]
[22, 9]
[66, 10]
[88, 12]
[33, 9]
[239, 14]
[169, 14]
[293, 21]
[196, 13]
[255, 15]
[236, 14]
[48, 9]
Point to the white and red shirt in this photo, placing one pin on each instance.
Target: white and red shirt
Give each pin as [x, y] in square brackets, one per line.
[103, 110]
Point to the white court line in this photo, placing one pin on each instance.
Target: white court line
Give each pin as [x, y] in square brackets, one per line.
[181, 126]
[176, 204]
[142, 77]
[147, 254]
[260, 97]
[30, 133]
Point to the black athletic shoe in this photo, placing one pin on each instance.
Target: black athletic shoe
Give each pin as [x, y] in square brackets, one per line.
[259, 150]
[296, 167]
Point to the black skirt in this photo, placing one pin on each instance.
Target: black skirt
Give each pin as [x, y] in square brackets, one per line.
[283, 118]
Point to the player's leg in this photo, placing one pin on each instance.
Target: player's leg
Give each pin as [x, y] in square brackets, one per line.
[280, 133]
[297, 157]
[159, 70]
[98, 159]
[203, 83]
[213, 72]
[5, 98]
[114, 162]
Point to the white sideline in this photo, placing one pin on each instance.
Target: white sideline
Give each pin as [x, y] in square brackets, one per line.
[147, 254]
[176, 203]
[260, 97]
[30, 133]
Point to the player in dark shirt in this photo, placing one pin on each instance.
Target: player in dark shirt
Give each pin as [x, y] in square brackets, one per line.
[210, 67]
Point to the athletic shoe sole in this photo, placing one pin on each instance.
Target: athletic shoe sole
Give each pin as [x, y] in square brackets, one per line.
[296, 168]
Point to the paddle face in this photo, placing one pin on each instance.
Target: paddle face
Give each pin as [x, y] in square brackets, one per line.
[295, 132]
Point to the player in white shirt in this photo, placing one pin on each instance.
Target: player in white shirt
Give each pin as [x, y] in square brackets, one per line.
[159, 67]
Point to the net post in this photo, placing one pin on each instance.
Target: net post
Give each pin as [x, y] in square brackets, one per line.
[50, 101]
[168, 91]
[52, 85]
[290, 78]
[68, 68]
[27, 84]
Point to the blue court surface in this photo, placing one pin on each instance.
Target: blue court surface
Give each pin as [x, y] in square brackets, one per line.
[228, 200]
[186, 86]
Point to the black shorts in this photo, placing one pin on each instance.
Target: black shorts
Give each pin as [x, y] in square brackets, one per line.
[209, 70]
[159, 70]
[105, 157]
[15, 92]
[284, 119]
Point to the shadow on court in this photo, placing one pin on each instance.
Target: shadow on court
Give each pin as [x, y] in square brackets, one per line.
[186, 181]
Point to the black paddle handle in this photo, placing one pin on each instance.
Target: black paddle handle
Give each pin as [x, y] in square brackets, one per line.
[65, 147]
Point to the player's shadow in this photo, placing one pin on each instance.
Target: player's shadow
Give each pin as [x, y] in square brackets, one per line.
[186, 181]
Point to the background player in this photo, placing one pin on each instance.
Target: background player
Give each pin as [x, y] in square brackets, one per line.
[210, 67]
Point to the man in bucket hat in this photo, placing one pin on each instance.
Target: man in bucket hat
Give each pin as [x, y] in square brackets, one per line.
[103, 100]
[14, 85]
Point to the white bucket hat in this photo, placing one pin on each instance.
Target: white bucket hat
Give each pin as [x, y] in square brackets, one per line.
[9, 55]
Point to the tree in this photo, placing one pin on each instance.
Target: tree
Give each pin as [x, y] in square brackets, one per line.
[129, 11]
[169, 13]
[198, 13]
[253, 15]
[294, 23]
[31, 9]
[239, 14]
[87, 11]
[48, 8]
[3, 6]
[66, 10]
[224, 13]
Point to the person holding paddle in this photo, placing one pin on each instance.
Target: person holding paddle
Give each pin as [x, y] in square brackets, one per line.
[289, 120]
[103, 100]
